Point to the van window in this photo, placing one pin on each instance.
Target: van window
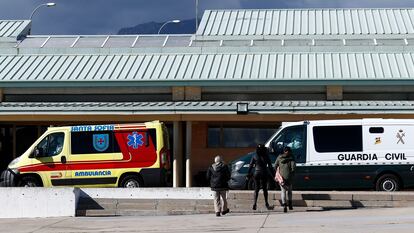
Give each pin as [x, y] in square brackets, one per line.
[93, 142]
[51, 145]
[293, 137]
[338, 138]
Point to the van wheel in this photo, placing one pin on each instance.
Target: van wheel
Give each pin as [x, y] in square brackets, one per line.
[28, 181]
[388, 183]
[131, 181]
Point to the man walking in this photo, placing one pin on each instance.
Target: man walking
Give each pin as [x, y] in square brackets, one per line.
[285, 169]
[218, 174]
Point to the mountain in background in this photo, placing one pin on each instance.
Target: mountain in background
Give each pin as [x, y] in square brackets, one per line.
[184, 27]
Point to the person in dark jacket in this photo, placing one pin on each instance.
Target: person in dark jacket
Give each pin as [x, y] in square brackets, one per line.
[285, 168]
[218, 174]
[262, 164]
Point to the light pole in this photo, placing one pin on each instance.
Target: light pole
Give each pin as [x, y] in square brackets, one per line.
[49, 4]
[171, 21]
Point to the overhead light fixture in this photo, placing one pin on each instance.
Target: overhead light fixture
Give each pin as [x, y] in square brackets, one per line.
[242, 108]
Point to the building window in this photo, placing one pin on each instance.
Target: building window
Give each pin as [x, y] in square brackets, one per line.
[338, 138]
[238, 136]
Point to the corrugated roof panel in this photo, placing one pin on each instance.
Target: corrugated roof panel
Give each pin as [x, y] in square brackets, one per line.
[282, 23]
[394, 67]
[208, 67]
[208, 63]
[409, 64]
[370, 72]
[280, 65]
[307, 22]
[407, 21]
[246, 23]
[120, 67]
[379, 72]
[129, 64]
[224, 61]
[238, 24]
[169, 62]
[218, 21]
[241, 58]
[401, 66]
[232, 66]
[43, 75]
[304, 66]
[178, 62]
[275, 23]
[230, 23]
[199, 66]
[143, 67]
[385, 65]
[344, 61]
[264, 67]
[152, 66]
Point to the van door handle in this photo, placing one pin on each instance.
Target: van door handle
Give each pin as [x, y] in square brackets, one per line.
[63, 159]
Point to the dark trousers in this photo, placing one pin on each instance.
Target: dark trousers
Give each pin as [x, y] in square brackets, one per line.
[260, 181]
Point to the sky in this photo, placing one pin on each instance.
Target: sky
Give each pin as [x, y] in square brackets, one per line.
[106, 17]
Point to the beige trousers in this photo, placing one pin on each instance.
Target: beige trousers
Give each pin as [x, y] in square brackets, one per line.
[217, 202]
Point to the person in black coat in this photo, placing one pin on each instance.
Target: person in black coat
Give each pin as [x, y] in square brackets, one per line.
[218, 174]
[262, 164]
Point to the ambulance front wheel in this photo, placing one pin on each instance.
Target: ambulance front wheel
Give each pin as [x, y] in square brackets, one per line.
[131, 181]
[388, 183]
[29, 181]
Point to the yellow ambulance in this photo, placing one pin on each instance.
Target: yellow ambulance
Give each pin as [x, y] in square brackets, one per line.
[113, 155]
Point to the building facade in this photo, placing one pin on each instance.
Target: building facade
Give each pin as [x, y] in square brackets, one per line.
[275, 65]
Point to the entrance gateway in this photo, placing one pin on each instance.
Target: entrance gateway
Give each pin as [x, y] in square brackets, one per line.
[345, 154]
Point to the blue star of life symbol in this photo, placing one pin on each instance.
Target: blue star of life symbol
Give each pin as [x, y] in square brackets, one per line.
[135, 140]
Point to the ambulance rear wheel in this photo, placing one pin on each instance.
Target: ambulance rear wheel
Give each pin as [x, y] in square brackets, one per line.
[388, 183]
[131, 181]
[29, 181]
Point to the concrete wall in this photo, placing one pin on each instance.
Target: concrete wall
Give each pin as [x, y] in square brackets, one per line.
[38, 202]
[147, 193]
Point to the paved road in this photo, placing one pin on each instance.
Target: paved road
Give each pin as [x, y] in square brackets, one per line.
[360, 220]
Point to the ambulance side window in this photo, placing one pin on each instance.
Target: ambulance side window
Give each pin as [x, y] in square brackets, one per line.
[51, 145]
[295, 138]
[93, 142]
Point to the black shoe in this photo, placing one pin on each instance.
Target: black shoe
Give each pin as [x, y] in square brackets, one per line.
[217, 214]
[254, 207]
[269, 207]
[284, 208]
[290, 205]
[225, 212]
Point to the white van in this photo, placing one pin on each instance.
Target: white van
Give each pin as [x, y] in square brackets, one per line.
[346, 154]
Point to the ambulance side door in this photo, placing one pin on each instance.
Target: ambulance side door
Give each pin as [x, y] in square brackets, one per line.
[50, 158]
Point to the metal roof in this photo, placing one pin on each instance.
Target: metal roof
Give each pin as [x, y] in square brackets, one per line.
[287, 22]
[76, 43]
[206, 69]
[105, 41]
[210, 107]
[13, 29]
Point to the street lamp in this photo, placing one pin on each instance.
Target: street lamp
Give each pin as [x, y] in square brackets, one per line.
[49, 4]
[171, 21]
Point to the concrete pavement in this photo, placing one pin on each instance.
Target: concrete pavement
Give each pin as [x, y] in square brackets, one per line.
[357, 220]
